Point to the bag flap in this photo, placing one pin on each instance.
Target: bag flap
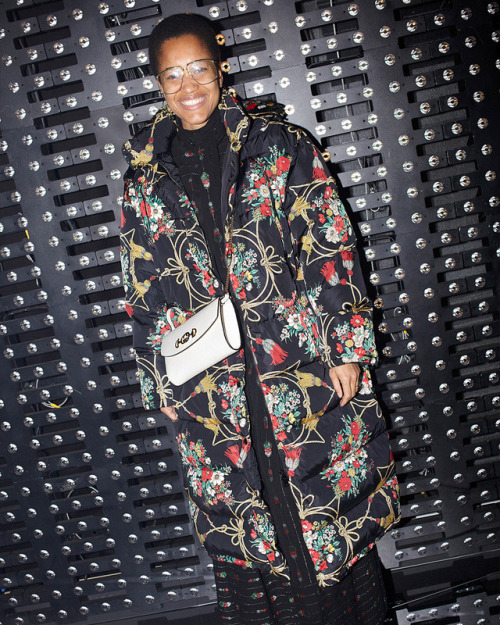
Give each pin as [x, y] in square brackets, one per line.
[191, 331]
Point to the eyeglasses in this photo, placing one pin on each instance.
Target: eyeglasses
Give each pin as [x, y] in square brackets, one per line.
[202, 71]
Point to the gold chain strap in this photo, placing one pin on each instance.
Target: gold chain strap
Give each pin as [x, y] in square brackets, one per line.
[228, 264]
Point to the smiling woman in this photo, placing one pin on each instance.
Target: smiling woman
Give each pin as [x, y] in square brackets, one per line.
[285, 457]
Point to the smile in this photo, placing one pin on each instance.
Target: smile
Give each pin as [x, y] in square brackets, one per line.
[193, 103]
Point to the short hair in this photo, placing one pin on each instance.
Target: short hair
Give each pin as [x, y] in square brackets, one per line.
[177, 25]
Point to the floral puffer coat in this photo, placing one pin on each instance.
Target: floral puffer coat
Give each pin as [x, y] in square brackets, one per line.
[296, 283]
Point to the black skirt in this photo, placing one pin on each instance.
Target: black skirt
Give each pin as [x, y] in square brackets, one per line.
[255, 597]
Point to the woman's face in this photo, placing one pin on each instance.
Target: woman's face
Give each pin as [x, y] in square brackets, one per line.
[193, 103]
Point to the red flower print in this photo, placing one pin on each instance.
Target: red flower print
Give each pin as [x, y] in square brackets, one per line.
[283, 163]
[265, 209]
[206, 474]
[357, 321]
[344, 482]
[322, 566]
[328, 192]
[306, 526]
[360, 351]
[129, 309]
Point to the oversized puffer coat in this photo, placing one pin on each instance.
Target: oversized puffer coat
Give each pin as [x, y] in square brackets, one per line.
[278, 475]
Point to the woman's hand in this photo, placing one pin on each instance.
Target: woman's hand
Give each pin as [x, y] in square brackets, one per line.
[170, 412]
[345, 380]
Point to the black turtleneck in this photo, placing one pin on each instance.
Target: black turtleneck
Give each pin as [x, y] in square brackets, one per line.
[198, 153]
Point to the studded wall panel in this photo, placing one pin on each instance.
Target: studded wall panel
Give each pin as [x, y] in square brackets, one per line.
[402, 95]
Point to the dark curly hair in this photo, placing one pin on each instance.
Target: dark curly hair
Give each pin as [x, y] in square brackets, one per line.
[179, 24]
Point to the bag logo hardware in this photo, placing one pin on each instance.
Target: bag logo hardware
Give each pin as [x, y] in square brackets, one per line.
[185, 338]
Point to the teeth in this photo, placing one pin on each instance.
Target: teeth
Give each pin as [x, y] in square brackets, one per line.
[192, 102]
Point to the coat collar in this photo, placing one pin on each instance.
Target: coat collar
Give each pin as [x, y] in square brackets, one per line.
[150, 145]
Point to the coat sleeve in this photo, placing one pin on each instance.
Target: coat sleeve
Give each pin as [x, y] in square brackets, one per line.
[145, 299]
[328, 260]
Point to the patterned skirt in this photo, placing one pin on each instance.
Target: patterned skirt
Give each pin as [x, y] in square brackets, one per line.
[255, 597]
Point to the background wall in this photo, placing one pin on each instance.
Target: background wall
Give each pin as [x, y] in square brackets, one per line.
[403, 95]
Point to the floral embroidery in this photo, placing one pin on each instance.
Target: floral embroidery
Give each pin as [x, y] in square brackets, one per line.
[354, 338]
[348, 464]
[244, 270]
[205, 481]
[151, 209]
[263, 535]
[186, 204]
[233, 403]
[282, 403]
[199, 259]
[300, 322]
[264, 173]
[332, 217]
[322, 543]
[366, 386]
[232, 560]
[147, 390]
[313, 295]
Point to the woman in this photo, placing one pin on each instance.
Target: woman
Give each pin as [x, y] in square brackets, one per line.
[286, 460]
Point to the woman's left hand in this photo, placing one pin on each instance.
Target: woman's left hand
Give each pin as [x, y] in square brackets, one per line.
[345, 380]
